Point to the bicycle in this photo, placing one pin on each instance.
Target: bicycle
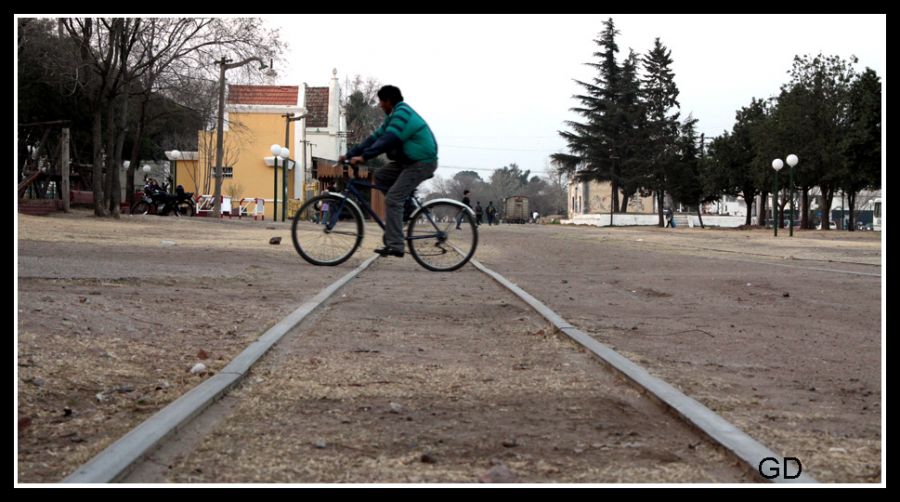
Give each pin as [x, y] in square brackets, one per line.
[433, 239]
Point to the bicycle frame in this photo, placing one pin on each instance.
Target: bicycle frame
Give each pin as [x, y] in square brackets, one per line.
[351, 190]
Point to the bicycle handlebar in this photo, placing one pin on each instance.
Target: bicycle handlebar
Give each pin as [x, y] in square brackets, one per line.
[355, 168]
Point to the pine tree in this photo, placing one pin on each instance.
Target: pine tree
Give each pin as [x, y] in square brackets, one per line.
[632, 137]
[661, 101]
[591, 143]
[685, 184]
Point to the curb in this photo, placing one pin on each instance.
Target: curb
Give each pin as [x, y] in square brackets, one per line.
[116, 460]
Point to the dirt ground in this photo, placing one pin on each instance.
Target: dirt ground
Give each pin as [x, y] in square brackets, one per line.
[112, 315]
[417, 385]
[761, 330]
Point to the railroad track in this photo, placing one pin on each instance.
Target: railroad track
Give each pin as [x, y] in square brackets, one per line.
[366, 392]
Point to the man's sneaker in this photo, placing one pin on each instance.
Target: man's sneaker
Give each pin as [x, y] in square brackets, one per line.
[386, 251]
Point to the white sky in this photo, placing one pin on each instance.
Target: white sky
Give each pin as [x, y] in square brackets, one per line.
[496, 89]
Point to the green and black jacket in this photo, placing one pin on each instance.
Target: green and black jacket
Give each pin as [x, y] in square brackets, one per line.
[404, 136]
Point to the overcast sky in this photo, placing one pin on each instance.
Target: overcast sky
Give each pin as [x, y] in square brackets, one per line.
[495, 89]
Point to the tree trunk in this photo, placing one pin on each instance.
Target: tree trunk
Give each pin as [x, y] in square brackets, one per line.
[135, 152]
[64, 169]
[120, 132]
[700, 216]
[111, 166]
[749, 209]
[851, 201]
[782, 202]
[827, 197]
[614, 198]
[761, 211]
[661, 198]
[97, 176]
[804, 204]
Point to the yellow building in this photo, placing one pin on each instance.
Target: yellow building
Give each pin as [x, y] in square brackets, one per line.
[254, 121]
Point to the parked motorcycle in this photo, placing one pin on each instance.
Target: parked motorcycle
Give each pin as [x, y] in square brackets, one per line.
[156, 199]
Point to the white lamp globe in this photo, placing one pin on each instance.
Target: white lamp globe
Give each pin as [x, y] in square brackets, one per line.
[792, 160]
[276, 149]
[777, 164]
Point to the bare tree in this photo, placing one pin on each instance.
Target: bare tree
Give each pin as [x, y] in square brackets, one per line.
[117, 57]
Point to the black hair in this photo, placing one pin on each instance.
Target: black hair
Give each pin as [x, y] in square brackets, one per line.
[465, 192]
[390, 94]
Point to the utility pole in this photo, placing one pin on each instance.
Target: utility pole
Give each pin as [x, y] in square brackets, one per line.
[288, 118]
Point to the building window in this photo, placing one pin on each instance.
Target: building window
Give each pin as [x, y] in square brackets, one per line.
[227, 172]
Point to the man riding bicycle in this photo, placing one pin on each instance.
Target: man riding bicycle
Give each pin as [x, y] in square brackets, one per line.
[412, 148]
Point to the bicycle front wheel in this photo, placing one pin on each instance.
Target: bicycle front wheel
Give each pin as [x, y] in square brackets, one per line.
[326, 230]
[442, 236]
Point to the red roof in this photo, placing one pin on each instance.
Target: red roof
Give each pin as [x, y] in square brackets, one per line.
[263, 94]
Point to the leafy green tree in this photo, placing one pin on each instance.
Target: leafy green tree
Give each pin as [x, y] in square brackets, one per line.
[812, 122]
[507, 181]
[743, 172]
[862, 143]
[362, 112]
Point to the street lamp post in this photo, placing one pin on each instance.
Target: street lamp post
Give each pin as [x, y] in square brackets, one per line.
[614, 159]
[224, 64]
[777, 164]
[792, 161]
[175, 155]
[279, 151]
[276, 151]
[284, 154]
[146, 170]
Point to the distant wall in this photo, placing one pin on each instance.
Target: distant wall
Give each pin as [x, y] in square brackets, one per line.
[626, 219]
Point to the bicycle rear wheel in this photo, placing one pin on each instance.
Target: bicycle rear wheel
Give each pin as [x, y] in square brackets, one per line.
[436, 243]
[326, 230]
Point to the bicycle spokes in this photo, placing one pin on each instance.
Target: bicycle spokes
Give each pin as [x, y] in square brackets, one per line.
[443, 237]
[327, 230]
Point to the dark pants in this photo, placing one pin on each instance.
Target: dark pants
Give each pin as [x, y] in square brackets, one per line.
[478, 218]
[402, 179]
[490, 219]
